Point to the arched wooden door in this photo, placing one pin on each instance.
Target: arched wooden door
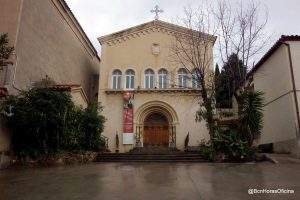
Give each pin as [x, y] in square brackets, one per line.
[156, 130]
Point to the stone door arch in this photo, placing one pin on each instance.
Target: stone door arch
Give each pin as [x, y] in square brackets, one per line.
[156, 108]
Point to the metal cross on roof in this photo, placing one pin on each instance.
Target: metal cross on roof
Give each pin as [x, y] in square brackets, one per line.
[157, 10]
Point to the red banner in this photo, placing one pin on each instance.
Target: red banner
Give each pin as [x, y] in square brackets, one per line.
[128, 113]
[128, 120]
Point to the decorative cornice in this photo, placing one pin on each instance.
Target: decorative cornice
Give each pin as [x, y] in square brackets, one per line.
[141, 91]
[144, 29]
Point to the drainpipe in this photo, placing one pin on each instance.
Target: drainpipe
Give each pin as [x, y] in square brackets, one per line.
[14, 74]
[15, 44]
[294, 86]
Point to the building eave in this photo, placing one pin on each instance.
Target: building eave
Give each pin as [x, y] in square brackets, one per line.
[70, 88]
[280, 41]
[75, 22]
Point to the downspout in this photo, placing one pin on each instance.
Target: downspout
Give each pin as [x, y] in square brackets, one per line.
[294, 86]
[14, 74]
[15, 44]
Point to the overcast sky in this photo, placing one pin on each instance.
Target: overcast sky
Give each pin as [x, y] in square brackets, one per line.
[101, 17]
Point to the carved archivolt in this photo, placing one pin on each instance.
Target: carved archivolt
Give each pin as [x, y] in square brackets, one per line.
[155, 106]
[120, 39]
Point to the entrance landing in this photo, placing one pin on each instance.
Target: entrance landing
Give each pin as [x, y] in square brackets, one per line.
[151, 154]
[154, 150]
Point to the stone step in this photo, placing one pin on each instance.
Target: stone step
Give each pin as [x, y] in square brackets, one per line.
[151, 160]
[148, 155]
[124, 157]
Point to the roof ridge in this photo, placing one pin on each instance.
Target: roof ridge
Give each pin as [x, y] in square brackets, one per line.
[139, 27]
[277, 44]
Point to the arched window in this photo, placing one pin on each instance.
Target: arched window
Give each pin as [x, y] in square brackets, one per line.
[129, 79]
[162, 79]
[116, 79]
[195, 78]
[182, 78]
[149, 79]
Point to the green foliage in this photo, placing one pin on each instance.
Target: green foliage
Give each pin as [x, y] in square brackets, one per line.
[5, 50]
[235, 144]
[207, 151]
[251, 113]
[43, 122]
[229, 80]
[92, 127]
[232, 145]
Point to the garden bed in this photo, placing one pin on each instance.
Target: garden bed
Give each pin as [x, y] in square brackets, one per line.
[62, 159]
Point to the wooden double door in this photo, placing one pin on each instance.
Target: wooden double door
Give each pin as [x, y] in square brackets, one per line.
[156, 135]
[156, 130]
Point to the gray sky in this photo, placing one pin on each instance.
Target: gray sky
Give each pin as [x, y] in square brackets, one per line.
[101, 17]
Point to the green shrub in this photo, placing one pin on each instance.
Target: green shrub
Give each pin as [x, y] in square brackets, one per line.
[43, 122]
[207, 152]
[92, 127]
[232, 145]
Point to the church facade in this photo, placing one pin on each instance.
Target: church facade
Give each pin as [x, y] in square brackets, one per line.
[147, 99]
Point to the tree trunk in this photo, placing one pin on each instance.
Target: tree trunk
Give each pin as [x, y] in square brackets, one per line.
[209, 110]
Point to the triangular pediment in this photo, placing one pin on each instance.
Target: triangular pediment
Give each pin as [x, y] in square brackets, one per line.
[142, 29]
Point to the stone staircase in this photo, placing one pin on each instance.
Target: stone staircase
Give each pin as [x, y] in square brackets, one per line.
[150, 155]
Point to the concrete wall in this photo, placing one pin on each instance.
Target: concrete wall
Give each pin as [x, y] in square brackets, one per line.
[9, 19]
[9, 15]
[50, 43]
[135, 52]
[280, 121]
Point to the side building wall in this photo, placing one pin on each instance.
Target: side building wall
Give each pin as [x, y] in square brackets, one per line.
[280, 121]
[48, 41]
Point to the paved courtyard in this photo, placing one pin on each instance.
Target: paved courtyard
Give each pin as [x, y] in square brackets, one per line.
[157, 181]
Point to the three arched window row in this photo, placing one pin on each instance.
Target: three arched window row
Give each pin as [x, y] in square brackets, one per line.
[149, 79]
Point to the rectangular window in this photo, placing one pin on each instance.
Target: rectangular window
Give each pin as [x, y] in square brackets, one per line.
[119, 82]
[114, 82]
[151, 82]
[147, 86]
[129, 82]
[132, 82]
[162, 81]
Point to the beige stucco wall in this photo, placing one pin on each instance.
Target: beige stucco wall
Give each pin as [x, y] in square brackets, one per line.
[274, 79]
[47, 41]
[136, 53]
[50, 43]
[9, 14]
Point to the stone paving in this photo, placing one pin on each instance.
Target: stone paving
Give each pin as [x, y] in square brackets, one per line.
[157, 181]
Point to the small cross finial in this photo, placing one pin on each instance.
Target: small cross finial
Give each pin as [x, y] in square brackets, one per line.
[157, 10]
